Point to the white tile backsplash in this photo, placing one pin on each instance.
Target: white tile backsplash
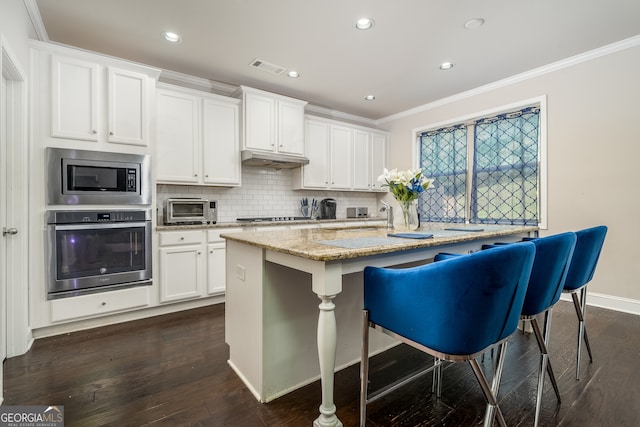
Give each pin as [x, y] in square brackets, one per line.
[266, 192]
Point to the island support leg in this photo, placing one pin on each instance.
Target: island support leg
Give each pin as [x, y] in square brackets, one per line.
[327, 354]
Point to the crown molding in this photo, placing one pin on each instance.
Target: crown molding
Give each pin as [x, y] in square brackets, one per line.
[194, 82]
[536, 72]
[36, 20]
[338, 115]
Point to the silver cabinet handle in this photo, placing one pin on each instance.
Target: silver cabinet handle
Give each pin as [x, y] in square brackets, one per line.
[10, 231]
[94, 132]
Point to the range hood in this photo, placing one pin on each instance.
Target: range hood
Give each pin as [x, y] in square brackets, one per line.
[272, 160]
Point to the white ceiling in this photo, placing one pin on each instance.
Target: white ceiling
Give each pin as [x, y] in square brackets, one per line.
[397, 61]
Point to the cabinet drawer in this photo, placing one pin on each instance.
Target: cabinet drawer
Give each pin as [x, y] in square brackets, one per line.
[99, 304]
[180, 237]
[214, 235]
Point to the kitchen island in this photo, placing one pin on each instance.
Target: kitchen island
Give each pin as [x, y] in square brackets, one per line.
[277, 340]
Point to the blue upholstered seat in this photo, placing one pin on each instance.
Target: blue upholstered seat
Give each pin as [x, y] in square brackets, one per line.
[548, 276]
[453, 310]
[581, 270]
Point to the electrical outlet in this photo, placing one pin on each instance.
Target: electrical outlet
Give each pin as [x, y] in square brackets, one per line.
[240, 270]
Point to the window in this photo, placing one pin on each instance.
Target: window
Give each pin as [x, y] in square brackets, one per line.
[486, 170]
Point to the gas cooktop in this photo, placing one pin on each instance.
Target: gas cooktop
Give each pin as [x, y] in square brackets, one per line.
[273, 218]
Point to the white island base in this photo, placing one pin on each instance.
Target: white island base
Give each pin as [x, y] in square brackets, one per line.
[294, 306]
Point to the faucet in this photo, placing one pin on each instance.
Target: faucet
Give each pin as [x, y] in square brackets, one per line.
[389, 210]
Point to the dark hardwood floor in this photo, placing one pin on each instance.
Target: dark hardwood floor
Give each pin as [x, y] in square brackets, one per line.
[172, 371]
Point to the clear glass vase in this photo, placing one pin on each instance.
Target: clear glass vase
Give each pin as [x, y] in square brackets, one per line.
[408, 220]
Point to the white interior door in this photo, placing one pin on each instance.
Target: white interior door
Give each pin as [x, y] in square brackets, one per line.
[3, 218]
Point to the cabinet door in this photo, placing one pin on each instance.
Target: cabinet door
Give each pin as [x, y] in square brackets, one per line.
[361, 160]
[316, 173]
[216, 268]
[177, 137]
[290, 127]
[378, 159]
[221, 144]
[127, 107]
[260, 122]
[181, 272]
[341, 157]
[74, 99]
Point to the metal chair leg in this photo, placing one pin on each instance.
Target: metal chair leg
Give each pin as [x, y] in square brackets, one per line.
[491, 392]
[436, 383]
[543, 344]
[364, 368]
[580, 306]
[545, 364]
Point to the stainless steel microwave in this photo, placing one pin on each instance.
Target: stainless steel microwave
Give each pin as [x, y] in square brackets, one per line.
[190, 211]
[77, 177]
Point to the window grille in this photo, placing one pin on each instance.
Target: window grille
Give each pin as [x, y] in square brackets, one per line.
[505, 169]
[443, 157]
[485, 172]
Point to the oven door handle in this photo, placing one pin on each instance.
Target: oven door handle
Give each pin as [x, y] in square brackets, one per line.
[94, 226]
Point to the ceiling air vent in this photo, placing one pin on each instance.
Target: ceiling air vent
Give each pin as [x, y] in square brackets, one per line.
[266, 66]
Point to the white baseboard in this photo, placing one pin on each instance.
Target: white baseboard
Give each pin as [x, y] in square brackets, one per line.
[611, 302]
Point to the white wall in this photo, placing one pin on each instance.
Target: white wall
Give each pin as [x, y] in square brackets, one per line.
[15, 30]
[593, 150]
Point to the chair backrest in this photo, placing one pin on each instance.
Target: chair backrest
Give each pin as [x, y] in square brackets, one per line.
[585, 257]
[459, 306]
[549, 273]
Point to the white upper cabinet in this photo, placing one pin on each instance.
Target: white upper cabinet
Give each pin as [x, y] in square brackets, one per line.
[370, 159]
[128, 107]
[87, 101]
[341, 156]
[378, 156]
[291, 127]
[316, 173]
[197, 138]
[74, 98]
[93, 102]
[178, 138]
[221, 142]
[272, 122]
[362, 156]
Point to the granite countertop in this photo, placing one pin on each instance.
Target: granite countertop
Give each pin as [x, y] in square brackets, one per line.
[235, 224]
[328, 244]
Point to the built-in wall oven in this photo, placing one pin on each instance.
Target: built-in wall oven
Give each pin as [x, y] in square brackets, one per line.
[95, 251]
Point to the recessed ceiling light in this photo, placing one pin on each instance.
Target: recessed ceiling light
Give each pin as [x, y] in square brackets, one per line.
[171, 37]
[369, 97]
[293, 74]
[364, 23]
[474, 23]
[446, 65]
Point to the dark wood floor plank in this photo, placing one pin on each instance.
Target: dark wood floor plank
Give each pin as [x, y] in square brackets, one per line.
[172, 371]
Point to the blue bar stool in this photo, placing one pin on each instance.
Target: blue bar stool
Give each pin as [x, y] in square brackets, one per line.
[581, 270]
[550, 268]
[454, 310]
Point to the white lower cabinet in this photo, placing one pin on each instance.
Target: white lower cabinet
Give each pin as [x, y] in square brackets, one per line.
[192, 264]
[216, 260]
[216, 268]
[182, 265]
